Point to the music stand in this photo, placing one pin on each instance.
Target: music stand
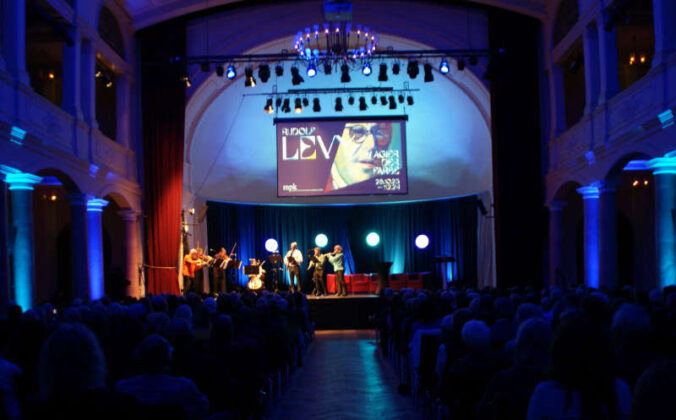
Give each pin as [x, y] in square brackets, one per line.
[275, 260]
[233, 264]
[383, 270]
[251, 270]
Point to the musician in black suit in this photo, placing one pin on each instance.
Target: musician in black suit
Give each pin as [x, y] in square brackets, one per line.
[317, 262]
[218, 272]
[292, 261]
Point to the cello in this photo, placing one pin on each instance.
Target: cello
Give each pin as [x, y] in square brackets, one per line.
[256, 281]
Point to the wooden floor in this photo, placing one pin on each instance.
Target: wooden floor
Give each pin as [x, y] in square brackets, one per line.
[344, 377]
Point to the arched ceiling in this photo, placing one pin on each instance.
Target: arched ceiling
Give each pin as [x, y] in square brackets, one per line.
[149, 12]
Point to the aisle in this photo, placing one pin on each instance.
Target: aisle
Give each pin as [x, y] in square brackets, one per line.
[344, 377]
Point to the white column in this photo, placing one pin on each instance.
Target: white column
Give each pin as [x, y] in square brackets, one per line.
[590, 40]
[80, 245]
[555, 241]
[22, 247]
[665, 218]
[95, 242]
[131, 265]
[590, 196]
[609, 77]
[664, 17]
[123, 111]
[88, 83]
[72, 66]
[608, 267]
[14, 39]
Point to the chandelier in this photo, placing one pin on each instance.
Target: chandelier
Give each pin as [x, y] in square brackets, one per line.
[335, 41]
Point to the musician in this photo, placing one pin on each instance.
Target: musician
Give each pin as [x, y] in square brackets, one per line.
[190, 262]
[318, 274]
[199, 271]
[217, 284]
[336, 259]
[292, 261]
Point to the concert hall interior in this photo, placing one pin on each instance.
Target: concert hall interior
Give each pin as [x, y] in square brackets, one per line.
[235, 209]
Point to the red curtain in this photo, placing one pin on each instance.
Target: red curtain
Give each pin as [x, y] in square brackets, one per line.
[163, 114]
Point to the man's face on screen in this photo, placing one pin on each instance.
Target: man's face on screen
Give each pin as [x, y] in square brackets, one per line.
[354, 159]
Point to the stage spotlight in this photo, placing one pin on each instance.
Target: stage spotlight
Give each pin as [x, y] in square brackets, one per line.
[382, 73]
[383, 101]
[185, 79]
[422, 241]
[374, 100]
[372, 239]
[286, 107]
[279, 70]
[350, 100]
[461, 64]
[315, 105]
[231, 73]
[271, 245]
[412, 69]
[249, 80]
[473, 60]
[339, 104]
[220, 71]
[443, 67]
[429, 77]
[311, 70]
[268, 106]
[298, 108]
[409, 99]
[393, 103]
[395, 68]
[400, 98]
[327, 68]
[344, 74]
[296, 79]
[264, 73]
[205, 67]
[306, 102]
[321, 240]
[362, 104]
[366, 69]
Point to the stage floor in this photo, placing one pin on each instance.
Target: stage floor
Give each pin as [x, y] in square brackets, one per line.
[351, 312]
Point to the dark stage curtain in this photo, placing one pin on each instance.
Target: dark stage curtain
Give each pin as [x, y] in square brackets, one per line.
[163, 105]
[451, 225]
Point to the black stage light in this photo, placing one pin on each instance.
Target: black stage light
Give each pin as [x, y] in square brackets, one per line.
[473, 60]
[286, 106]
[461, 64]
[328, 68]
[306, 102]
[298, 108]
[395, 68]
[296, 78]
[382, 73]
[383, 101]
[278, 103]
[374, 100]
[315, 105]
[409, 99]
[339, 104]
[264, 73]
[362, 104]
[393, 103]
[412, 69]
[249, 80]
[279, 70]
[220, 71]
[345, 74]
[206, 68]
[400, 98]
[350, 100]
[268, 106]
[429, 77]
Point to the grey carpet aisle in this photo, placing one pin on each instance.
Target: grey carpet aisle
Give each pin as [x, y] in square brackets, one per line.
[344, 377]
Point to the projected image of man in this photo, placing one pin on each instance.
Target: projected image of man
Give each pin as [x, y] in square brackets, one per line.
[357, 157]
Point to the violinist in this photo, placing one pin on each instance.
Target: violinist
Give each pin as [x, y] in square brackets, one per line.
[190, 262]
[203, 260]
[218, 272]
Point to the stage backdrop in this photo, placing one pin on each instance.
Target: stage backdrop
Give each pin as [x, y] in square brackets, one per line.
[451, 225]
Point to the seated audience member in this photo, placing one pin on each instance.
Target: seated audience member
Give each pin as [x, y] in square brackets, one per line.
[583, 385]
[634, 347]
[9, 399]
[156, 388]
[654, 393]
[503, 329]
[509, 391]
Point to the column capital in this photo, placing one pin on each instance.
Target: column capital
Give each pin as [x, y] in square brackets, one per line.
[608, 186]
[663, 165]
[590, 191]
[128, 215]
[556, 205]
[21, 181]
[76, 198]
[96, 204]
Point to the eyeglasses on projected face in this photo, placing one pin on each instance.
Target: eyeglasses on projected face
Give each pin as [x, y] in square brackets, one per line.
[359, 132]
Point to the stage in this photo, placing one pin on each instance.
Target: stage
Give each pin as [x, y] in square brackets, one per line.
[350, 312]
